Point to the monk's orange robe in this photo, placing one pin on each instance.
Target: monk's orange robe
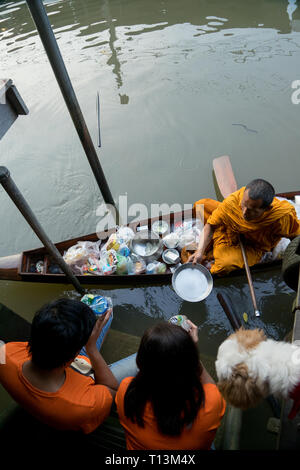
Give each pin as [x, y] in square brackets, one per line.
[260, 235]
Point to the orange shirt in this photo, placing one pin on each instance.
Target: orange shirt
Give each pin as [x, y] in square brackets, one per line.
[198, 436]
[78, 405]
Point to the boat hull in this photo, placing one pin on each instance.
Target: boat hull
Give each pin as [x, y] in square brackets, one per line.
[16, 267]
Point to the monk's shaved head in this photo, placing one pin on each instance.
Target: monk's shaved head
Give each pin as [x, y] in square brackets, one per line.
[261, 189]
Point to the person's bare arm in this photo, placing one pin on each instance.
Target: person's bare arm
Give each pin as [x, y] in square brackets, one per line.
[205, 239]
[206, 378]
[102, 373]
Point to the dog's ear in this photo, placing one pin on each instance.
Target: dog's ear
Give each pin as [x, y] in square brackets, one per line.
[242, 391]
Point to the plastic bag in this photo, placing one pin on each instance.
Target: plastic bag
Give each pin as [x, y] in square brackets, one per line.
[108, 263]
[138, 265]
[189, 232]
[277, 252]
[156, 268]
[117, 240]
[280, 248]
[79, 253]
[97, 303]
[113, 243]
[125, 234]
[124, 266]
[92, 266]
[107, 268]
[124, 250]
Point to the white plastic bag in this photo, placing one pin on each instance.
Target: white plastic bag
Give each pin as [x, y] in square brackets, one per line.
[79, 253]
[189, 232]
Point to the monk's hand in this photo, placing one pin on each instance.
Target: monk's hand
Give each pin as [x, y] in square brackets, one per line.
[195, 257]
[91, 345]
[193, 331]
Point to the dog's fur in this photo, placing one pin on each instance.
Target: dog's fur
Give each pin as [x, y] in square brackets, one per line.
[250, 367]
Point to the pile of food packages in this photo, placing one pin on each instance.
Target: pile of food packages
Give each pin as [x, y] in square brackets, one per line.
[115, 256]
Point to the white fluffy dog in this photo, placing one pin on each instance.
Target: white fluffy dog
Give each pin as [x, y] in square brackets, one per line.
[250, 367]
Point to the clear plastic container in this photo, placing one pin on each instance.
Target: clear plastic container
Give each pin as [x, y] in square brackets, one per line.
[180, 320]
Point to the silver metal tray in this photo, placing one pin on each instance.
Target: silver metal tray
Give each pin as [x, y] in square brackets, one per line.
[147, 245]
[192, 282]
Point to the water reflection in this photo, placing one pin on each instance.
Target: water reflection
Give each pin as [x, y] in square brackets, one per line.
[113, 60]
[158, 15]
[119, 23]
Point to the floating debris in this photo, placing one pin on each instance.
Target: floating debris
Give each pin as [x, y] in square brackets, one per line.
[245, 317]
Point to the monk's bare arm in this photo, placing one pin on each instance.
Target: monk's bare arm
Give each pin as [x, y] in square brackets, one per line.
[205, 239]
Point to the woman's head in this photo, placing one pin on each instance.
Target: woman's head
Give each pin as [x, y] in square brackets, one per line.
[58, 331]
[168, 379]
[167, 351]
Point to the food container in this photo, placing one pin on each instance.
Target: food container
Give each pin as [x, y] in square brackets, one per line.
[192, 282]
[147, 245]
[171, 240]
[160, 227]
[171, 256]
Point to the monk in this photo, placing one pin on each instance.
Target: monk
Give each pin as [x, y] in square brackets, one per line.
[251, 212]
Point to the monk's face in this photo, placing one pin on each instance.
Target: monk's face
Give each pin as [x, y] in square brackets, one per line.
[251, 208]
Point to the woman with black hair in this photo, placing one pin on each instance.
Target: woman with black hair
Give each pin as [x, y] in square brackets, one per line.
[172, 403]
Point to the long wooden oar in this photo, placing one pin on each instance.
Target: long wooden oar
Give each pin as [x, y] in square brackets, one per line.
[227, 185]
[233, 319]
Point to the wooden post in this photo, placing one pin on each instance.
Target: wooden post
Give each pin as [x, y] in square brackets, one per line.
[16, 196]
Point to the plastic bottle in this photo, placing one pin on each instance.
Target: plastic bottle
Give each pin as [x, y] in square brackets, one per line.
[180, 320]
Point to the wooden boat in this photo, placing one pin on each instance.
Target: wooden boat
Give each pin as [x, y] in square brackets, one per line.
[17, 267]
